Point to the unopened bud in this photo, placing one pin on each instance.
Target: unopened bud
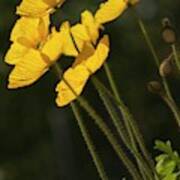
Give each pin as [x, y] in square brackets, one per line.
[132, 2]
[166, 68]
[154, 87]
[168, 32]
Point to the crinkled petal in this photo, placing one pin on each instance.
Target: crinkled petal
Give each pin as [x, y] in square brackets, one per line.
[93, 63]
[53, 46]
[69, 48]
[37, 8]
[92, 58]
[28, 70]
[33, 29]
[15, 53]
[76, 78]
[80, 35]
[92, 27]
[110, 10]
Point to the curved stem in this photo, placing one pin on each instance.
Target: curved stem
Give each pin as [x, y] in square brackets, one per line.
[90, 145]
[104, 128]
[172, 105]
[154, 54]
[173, 46]
[164, 80]
[128, 117]
[128, 141]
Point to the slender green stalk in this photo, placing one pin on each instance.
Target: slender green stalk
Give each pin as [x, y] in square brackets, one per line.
[176, 58]
[128, 117]
[151, 164]
[104, 128]
[172, 105]
[97, 161]
[148, 41]
[143, 167]
[111, 138]
[116, 94]
[155, 56]
[164, 80]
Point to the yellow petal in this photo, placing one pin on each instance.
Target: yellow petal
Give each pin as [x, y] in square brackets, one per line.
[92, 58]
[87, 52]
[76, 78]
[93, 63]
[37, 8]
[69, 48]
[53, 46]
[15, 53]
[110, 10]
[92, 27]
[80, 35]
[28, 70]
[33, 29]
[43, 27]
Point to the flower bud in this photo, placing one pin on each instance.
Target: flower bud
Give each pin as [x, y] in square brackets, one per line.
[154, 87]
[166, 68]
[168, 32]
[132, 2]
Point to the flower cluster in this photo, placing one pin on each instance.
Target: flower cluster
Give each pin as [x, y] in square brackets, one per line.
[35, 47]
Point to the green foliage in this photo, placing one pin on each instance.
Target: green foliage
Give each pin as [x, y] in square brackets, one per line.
[168, 162]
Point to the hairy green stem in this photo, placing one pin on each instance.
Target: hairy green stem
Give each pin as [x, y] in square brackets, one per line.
[104, 128]
[90, 145]
[143, 167]
[128, 117]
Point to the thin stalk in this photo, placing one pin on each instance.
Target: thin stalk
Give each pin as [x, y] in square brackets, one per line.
[176, 58]
[90, 145]
[117, 96]
[128, 117]
[104, 128]
[143, 167]
[151, 164]
[155, 56]
[172, 105]
[148, 41]
[164, 80]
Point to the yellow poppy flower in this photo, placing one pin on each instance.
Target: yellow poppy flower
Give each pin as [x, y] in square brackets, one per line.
[35, 62]
[37, 8]
[69, 48]
[87, 63]
[110, 10]
[28, 70]
[85, 32]
[77, 78]
[27, 33]
[59, 43]
[88, 20]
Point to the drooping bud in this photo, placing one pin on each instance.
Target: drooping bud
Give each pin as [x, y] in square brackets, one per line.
[168, 32]
[166, 68]
[155, 87]
[132, 2]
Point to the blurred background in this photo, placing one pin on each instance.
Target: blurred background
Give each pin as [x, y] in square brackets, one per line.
[43, 142]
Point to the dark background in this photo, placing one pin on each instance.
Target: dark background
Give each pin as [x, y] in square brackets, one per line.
[40, 141]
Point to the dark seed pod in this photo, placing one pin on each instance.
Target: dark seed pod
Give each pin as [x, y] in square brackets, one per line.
[155, 87]
[166, 68]
[168, 32]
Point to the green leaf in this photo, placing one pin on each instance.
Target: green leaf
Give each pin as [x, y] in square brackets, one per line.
[165, 168]
[164, 147]
[171, 177]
